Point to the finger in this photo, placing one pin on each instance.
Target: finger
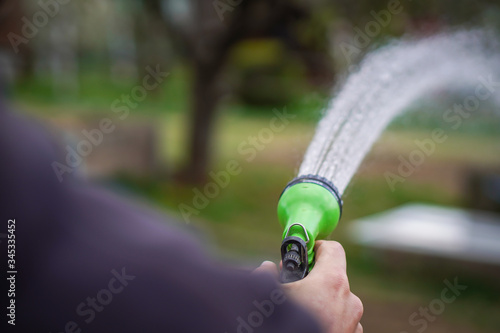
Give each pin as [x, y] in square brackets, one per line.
[330, 258]
[267, 267]
[359, 328]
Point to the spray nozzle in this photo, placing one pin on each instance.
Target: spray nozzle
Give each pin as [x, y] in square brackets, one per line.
[309, 208]
[294, 258]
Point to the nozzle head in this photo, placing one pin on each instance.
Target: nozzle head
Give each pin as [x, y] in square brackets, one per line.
[309, 208]
[309, 204]
[318, 180]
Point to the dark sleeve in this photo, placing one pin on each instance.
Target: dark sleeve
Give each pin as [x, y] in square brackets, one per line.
[88, 261]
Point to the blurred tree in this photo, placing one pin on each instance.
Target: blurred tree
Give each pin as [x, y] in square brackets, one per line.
[11, 12]
[205, 33]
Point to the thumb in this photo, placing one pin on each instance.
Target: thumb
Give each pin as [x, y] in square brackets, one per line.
[267, 267]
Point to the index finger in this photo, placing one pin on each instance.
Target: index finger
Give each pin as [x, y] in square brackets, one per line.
[330, 257]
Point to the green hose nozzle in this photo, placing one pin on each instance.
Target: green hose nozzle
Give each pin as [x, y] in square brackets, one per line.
[309, 208]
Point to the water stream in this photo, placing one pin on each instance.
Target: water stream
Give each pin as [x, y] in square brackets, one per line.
[387, 82]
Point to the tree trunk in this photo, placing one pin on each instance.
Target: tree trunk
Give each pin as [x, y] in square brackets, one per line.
[204, 107]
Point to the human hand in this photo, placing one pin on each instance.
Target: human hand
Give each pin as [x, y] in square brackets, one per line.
[325, 290]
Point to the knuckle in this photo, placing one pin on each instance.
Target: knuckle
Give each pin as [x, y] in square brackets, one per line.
[336, 247]
[339, 282]
[357, 308]
[330, 249]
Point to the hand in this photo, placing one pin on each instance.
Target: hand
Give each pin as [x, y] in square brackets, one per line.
[325, 291]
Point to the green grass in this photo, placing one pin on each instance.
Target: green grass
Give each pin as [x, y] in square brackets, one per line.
[96, 93]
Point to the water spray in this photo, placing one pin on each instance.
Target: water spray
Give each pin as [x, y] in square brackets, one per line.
[310, 206]
[309, 209]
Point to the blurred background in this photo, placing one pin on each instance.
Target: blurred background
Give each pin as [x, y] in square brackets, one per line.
[171, 96]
